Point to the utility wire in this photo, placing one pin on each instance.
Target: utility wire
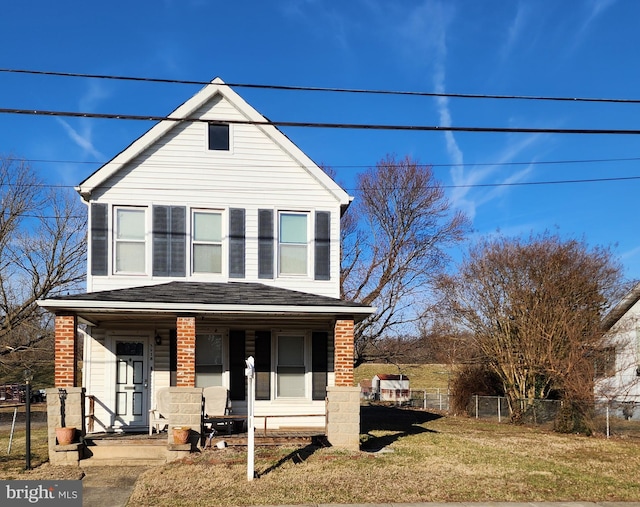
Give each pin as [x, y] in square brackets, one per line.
[360, 166]
[326, 89]
[363, 126]
[259, 190]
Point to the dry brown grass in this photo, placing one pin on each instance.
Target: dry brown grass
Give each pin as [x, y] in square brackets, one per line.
[422, 459]
[407, 456]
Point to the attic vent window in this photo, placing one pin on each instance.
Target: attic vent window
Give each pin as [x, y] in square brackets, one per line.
[218, 137]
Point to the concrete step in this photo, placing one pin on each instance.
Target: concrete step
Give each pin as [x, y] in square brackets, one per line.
[101, 462]
[126, 450]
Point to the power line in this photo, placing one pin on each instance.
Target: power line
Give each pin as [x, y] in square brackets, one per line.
[241, 189]
[326, 89]
[364, 166]
[362, 126]
[553, 182]
[474, 185]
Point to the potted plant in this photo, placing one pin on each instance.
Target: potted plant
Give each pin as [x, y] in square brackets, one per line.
[65, 434]
[181, 434]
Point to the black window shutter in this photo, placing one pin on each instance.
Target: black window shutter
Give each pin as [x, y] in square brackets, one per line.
[99, 239]
[323, 246]
[161, 241]
[178, 241]
[265, 243]
[169, 240]
[173, 354]
[263, 365]
[319, 364]
[236, 242]
[237, 389]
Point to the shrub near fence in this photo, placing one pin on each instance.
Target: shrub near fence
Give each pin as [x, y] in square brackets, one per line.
[611, 418]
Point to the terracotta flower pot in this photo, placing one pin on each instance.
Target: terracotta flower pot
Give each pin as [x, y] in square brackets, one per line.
[181, 434]
[65, 435]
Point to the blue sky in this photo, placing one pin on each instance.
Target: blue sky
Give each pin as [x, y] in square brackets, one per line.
[572, 48]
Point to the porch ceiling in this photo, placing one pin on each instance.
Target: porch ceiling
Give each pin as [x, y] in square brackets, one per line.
[222, 301]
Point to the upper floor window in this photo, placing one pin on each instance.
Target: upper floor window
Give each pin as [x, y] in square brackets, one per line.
[218, 137]
[604, 362]
[130, 240]
[207, 242]
[292, 244]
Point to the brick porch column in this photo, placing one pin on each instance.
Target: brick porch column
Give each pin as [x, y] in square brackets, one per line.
[66, 358]
[186, 344]
[343, 360]
[343, 400]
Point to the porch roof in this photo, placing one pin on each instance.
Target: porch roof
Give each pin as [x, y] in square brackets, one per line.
[233, 298]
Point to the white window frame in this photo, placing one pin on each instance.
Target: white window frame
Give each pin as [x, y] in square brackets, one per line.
[224, 335]
[221, 243]
[117, 240]
[307, 244]
[306, 337]
[219, 152]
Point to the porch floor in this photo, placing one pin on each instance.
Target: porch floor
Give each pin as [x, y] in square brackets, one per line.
[297, 436]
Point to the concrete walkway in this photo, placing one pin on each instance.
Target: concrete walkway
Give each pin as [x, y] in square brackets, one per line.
[108, 486]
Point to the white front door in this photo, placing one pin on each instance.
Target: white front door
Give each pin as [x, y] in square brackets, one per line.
[131, 383]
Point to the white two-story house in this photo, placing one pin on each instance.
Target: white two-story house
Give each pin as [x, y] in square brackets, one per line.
[211, 238]
[617, 368]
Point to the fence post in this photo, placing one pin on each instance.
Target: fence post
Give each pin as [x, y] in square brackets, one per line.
[608, 427]
[499, 414]
[477, 407]
[424, 403]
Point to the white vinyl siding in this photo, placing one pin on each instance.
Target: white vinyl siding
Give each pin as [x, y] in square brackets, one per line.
[130, 240]
[293, 239]
[259, 173]
[207, 242]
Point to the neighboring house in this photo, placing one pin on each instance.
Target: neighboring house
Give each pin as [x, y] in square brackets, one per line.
[617, 363]
[212, 238]
[393, 388]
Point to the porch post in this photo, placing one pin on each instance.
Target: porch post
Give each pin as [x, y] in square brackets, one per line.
[186, 345]
[343, 399]
[344, 353]
[65, 351]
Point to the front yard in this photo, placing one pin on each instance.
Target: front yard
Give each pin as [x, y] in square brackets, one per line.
[407, 456]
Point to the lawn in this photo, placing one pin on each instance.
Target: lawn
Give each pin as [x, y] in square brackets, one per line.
[406, 456]
[409, 456]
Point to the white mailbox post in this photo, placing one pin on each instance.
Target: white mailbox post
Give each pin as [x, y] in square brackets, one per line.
[250, 372]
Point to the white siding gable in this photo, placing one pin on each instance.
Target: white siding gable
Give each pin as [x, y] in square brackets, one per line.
[624, 336]
[261, 170]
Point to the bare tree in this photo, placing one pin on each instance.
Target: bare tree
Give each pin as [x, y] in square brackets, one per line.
[42, 254]
[534, 308]
[394, 240]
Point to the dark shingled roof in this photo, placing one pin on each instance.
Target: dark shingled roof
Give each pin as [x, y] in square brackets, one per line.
[232, 293]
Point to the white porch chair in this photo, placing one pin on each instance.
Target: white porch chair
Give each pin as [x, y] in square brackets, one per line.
[157, 415]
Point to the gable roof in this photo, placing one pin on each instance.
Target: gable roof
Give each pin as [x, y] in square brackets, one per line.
[184, 112]
[203, 297]
[623, 306]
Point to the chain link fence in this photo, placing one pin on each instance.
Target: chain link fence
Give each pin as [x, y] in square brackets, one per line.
[608, 417]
